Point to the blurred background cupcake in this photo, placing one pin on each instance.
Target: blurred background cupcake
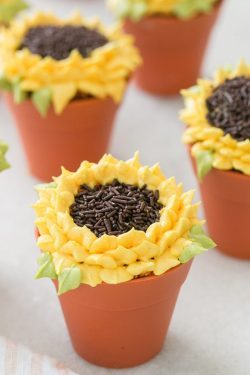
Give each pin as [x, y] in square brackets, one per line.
[217, 115]
[172, 36]
[64, 81]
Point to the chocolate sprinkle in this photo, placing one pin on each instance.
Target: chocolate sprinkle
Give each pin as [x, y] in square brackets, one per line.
[229, 108]
[115, 208]
[59, 41]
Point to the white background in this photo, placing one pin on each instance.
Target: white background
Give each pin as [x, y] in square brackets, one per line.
[210, 331]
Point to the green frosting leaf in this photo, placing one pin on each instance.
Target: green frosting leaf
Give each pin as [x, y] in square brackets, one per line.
[5, 84]
[9, 10]
[204, 163]
[46, 267]
[19, 94]
[69, 279]
[50, 185]
[134, 9]
[190, 252]
[42, 100]
[189, 8]
[201, 243]
[3, 162]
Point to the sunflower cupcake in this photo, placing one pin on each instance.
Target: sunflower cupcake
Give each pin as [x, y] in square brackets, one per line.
[9, 9]
[65, 80]
[172, 36]
[117, 230]
[218, 132]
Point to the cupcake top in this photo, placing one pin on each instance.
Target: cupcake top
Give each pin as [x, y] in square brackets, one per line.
[3, 162]
[52, 60]
[136, 9]
[115, 221]
[9, 9]
[217, 115]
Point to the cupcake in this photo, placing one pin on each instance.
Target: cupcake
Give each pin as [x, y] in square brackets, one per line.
[117, 238]
[64, 80]
[218, 132]
[9, 9]
[3, 162]
[172, 36]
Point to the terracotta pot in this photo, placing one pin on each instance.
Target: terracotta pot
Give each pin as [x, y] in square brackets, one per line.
[81, 132]
[172, 50]
[122, 325]
[226, 200]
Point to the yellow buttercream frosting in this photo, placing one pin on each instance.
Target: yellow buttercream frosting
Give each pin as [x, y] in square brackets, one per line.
[114, 259]
[228, 153]
[104, 73]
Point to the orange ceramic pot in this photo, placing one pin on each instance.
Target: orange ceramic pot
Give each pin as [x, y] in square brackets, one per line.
[81, 132]
[226, 201]
[122, 325]
[172, 50]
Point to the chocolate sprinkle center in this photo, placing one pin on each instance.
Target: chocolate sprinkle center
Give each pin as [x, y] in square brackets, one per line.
[59, 41]
[115, 208]
[229, 108]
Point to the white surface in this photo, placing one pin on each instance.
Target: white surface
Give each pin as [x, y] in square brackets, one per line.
[210, 331]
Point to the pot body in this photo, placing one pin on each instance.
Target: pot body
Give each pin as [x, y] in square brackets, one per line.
[172, 50]
[226, 201]
[81, 132]
[124, 325]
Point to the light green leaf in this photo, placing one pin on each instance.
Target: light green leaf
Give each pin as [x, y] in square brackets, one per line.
[19, 94]
[204, 241]
[69, 279]
[190, 252]
[50, 185]
[139, 9]
[42, 100]
[46, 267]
[8, 10]
[3, 162]
[196, 229]
[189, 8]
[5, 84]
[204, 162]
[123, 9]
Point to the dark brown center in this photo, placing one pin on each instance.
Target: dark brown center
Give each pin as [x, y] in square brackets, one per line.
[115, 208]
[229, 108]
[59, 41]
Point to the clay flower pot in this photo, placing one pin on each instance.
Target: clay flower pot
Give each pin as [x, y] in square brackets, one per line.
[122, 325]
[172, 50]
[117, 286]
[226, 201]
[81, 131]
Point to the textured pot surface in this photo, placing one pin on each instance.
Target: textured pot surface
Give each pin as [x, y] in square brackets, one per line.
[226, 201]
[172, 50]
[81, 132]
[122, 325]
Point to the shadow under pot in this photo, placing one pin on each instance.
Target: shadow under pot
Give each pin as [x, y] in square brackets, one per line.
[81, 132]
[226, 201]
[123, 325]
[172, 50]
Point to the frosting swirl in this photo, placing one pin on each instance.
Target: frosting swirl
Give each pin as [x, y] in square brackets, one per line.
[115, 259]
[136, 9]
[104, 73]
[226, 153]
